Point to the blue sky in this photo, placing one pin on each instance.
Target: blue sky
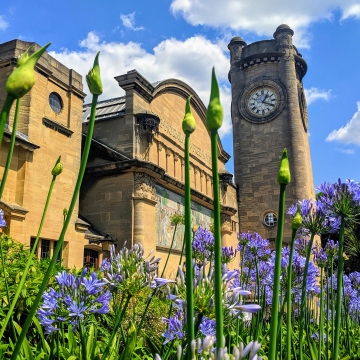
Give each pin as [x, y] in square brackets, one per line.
[185, 38]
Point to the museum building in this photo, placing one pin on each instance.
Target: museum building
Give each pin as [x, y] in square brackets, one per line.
[134, 180]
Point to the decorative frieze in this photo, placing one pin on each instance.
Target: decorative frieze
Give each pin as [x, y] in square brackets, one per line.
[225, 222]
[144, 186]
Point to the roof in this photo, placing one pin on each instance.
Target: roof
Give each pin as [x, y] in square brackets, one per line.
[105, 109]
[21, 139]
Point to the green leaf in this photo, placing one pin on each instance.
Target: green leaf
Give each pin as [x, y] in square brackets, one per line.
[25, 345]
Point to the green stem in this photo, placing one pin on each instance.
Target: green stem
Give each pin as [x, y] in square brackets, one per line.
[217, 242]
[288, 298]
[188, 245]
[115, 327]
[29, 262]
[327, 313]
[332, 302]
[168, 256]
[63, 231]
[11, 149]
[303, 297]
[277, 272]
[5, 114]
[83, 342]
[321, 318]
[7, 291]
[339, 286]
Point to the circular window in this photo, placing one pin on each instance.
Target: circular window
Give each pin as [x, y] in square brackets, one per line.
[55, 102]
[270, 219]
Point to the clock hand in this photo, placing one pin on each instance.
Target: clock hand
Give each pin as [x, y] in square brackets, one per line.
[266, 96]
[269, 103]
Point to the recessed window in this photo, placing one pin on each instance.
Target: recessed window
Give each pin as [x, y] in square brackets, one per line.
[270, 219]
[91, 259]
[55, 102]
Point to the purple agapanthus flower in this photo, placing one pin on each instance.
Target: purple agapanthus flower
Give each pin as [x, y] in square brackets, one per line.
[340, 198]
[174, 327]
[2, 220]
[79, 296]
[203, 245]
[315, 217]
[320, 258]
[227, 254]
[254, 248]
[207, 326]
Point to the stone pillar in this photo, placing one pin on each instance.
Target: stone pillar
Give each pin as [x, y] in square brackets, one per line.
[144, 200]
[235, 46]
[177, 167]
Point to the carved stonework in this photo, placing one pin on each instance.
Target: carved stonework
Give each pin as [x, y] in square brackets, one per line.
[144, 186]
[160, 146]
[176, 157]
[168, 152]
[225, 222]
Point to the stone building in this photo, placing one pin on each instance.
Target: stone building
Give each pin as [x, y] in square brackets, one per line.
[134, 179]
[135, 175]
[269, 113]
[49, 125]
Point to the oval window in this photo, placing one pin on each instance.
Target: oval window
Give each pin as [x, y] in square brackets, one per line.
[55, 102]
[270, 219]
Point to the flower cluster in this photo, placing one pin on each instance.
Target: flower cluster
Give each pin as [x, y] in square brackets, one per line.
[253, 247]
[203, 245]
[340, 199]
[77, 298]
[127, 270]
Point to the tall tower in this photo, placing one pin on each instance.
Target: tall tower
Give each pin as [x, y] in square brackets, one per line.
[269, 114]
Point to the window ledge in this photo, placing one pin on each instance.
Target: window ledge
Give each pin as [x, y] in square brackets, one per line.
[52, 124]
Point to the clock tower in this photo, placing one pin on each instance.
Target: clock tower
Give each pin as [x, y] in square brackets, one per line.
[269, 114]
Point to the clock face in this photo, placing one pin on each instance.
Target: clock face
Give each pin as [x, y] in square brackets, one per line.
[262, 101]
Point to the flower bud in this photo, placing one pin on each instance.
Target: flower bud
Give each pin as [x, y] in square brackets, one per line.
[179, 352]
[58, 168]
[214, 113]
[22, 79]
[195, 228]
[297, 220]
[23, 57]
[93, 78]
[284, 176]
[189, 123]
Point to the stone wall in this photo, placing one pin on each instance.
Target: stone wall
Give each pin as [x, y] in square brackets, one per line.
[30, 178]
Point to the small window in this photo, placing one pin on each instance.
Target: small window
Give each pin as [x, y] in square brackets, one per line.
[91, 259]
[55, 102]
[270, 219]
[45, 249]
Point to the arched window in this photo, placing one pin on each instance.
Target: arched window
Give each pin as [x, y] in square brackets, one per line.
[55, 102]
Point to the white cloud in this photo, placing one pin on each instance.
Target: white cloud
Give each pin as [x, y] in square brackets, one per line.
[314, 94]
[263, 16]
[129, 22]
[351, 11]
[346, 151]
[185, 60]
[3, 23]
[350, 133]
